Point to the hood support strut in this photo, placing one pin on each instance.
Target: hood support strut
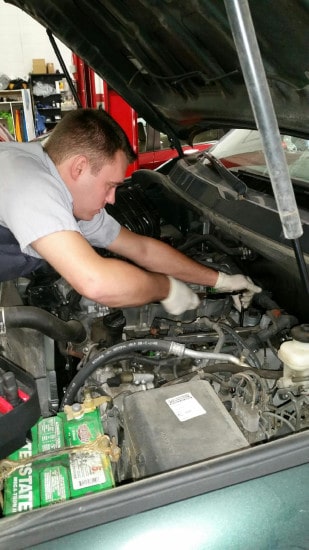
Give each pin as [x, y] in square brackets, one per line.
[63, 67]
[254, 74]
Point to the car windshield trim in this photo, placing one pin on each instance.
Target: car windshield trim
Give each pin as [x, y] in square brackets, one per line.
[236, 183]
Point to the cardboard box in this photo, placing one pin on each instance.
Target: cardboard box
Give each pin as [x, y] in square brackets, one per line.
[38, 66]
[50, 68]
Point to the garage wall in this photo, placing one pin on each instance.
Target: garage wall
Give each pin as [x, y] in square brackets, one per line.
[21, 40]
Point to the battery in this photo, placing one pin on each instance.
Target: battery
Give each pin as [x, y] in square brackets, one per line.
[58, 477]
[48, 434]
[21, 489]
[54, 485]
[176, 425]
[89, 471]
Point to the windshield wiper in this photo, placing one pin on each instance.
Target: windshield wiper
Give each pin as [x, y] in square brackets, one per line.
[236, 183]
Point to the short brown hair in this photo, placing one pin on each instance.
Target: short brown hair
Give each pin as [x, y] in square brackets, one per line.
[90, 132]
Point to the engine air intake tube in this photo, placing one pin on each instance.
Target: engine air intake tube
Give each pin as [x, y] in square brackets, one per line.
[42, 321]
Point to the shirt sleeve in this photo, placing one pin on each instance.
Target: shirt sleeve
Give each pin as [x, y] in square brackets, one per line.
[101, 231]
[34, 203]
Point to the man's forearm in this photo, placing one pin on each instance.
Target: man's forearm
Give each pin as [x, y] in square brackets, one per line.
[162, 258]
[111, 282]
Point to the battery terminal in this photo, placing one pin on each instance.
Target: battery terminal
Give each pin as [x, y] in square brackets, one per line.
[77, 410]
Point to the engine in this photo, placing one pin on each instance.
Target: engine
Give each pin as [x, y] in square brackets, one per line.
[172, 390]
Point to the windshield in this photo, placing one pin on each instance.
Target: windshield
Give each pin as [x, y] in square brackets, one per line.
[242, 149]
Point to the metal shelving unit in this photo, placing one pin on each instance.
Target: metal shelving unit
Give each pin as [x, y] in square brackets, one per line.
[18, 105]
[48, 102]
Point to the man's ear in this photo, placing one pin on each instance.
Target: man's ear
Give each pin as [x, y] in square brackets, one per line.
[78, 166]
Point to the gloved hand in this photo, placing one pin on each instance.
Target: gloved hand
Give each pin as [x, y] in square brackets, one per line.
[180, 298]
[232, 283]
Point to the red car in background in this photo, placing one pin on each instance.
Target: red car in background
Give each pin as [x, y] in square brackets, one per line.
[154, 147]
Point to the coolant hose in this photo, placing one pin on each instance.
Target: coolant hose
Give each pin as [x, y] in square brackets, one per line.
[226, 367]
[255, 341]
[42, 321]
[114, 352]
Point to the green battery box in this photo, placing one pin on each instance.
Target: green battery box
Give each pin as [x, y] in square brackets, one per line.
[55, 477]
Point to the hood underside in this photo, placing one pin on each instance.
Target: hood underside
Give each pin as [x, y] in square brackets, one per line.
[176, 63]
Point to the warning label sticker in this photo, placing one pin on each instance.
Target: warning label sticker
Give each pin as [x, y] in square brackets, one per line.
[86, 470]
[185, 406]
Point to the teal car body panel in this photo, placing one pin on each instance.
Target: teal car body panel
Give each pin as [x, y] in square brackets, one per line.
[269, 513]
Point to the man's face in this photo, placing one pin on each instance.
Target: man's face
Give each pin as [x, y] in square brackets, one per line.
[92, 192]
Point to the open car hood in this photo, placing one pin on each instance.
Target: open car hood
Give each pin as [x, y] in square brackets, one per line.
[176, 62]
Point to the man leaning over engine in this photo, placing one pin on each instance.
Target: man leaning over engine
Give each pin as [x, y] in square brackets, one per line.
[52, 209]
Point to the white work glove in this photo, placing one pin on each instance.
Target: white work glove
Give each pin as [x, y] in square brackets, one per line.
[232, 283]
[180, 298]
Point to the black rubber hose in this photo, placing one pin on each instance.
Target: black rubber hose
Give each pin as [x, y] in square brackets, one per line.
[105, 357]
[42, 321]
[242, 344]
[228, 367]
[235, 251]
[281, 323]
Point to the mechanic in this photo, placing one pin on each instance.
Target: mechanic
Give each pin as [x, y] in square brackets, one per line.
[52, 209]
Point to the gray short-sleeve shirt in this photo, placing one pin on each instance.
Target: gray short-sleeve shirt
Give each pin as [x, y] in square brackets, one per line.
[35, 202]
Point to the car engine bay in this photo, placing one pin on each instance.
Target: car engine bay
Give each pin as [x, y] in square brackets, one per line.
[172, 390]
